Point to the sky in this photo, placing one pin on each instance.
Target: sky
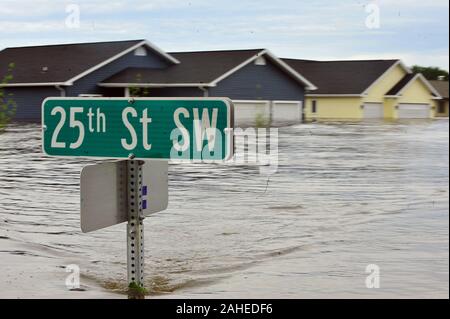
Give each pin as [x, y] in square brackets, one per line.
[415, 31]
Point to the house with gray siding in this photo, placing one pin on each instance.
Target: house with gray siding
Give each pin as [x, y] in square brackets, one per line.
[262, 86]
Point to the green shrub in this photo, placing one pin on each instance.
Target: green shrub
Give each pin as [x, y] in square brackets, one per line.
[261, 121]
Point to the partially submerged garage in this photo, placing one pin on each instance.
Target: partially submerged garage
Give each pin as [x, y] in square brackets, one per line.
[412, 98]
[264, 89]
[366, 90]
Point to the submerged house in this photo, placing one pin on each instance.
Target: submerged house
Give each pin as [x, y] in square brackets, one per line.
[262, 86]
[368, 89]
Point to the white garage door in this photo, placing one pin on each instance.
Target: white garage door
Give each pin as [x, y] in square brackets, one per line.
[373, 111]
[286, 112]
[250, 113]
[414, 111]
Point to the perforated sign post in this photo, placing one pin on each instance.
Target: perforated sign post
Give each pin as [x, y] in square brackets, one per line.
[137, 130]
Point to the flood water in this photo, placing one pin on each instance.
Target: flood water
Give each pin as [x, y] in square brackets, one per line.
[344, 196]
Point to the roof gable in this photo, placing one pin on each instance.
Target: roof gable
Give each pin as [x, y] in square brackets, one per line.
[407, 80]
[400, 85]
[64, 64]
[441, 87]
[202, 68]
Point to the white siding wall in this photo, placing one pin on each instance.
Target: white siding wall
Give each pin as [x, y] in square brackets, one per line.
[286, 112]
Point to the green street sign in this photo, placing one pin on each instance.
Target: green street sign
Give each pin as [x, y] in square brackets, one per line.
[141, 128]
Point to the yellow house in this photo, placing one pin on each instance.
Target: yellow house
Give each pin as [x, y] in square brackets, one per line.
[369, 89]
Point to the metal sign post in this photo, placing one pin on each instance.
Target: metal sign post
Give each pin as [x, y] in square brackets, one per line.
[135, 226]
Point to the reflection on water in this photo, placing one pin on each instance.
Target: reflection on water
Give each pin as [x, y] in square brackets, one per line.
[344, 196]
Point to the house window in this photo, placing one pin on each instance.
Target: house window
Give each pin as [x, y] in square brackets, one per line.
[314, 106]
[260, 61]
[141, 51]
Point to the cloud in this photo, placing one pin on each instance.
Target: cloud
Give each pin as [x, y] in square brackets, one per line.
[59, 27]
[415, 30]
[10, 9]
[413, 3]
[41, 8]
[10, 27]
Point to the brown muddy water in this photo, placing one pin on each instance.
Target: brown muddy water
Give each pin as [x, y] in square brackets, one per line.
[344, 196]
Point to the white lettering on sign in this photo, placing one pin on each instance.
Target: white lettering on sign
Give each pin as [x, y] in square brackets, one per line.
[145, 120]
[129, 146]
[101, 121]
[90, 115]
[76, 123]
[182, 130]
[54, 141]
[202, 126]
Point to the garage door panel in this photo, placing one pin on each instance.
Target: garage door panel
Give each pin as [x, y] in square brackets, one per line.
[286, 112]
[246, 113]
[373, 111]
[414, 111]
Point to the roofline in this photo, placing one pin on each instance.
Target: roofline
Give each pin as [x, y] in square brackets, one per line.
[134, 47]
[309, 85]
[444, 96]
[71, 44]
[334, 95]
[277, 60]
[333, 61]
[100, 65]
[156, 85]
[427, 84]
[216, 51]
[424, 81]
[399, 62]
[283, 65]
[34, 84]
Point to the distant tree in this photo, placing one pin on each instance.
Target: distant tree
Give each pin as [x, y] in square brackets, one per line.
[7, 104]
[430, 73]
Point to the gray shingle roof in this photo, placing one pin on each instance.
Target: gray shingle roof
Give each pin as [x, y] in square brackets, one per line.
[441, 87]
[341, 77]
[62, 62]
[194, 67]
